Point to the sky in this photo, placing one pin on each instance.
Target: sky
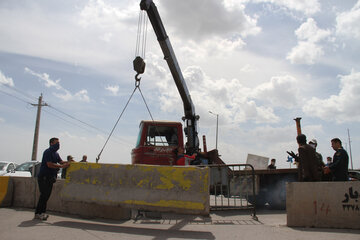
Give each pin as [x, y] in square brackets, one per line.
[257, 64]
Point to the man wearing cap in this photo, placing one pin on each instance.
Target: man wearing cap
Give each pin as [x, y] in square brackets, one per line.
[319, 158]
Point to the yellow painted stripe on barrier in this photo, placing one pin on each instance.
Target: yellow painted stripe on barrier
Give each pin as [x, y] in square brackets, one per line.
[4, 183]
[168, 203]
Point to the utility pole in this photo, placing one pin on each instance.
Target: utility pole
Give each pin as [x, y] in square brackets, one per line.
[37, 125]
[350, 150]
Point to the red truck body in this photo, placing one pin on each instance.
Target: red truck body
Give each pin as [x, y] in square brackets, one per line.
[158, 143]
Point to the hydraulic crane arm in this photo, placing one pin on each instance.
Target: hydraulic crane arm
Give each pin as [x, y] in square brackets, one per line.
[169, 55]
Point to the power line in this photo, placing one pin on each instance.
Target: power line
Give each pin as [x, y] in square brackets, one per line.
[68, 115]
[79, 126]
[32, 98]
[58, 110]
[11, 95]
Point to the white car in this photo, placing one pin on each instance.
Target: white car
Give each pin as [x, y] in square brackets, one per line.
[6, 167]
[23, 170]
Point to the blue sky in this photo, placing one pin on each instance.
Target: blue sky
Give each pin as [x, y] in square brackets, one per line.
[258, 64]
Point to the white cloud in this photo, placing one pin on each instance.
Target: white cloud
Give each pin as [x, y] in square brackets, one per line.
[113, 89]
[344, 107]
[6, 80]
[2, 120]
[221, 95]
[82, 95]
[309, 31]
[308, 50]
[204, 21]
[247, 68]
[62, 93]
[45, 78]
[280, 91]
[305, 53]
[308, 7]
[101, 14]
[347, 23]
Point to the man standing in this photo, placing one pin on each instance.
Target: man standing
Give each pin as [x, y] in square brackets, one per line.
[339, 166]
[69, 158]
[272, 164]
[319, 158]
[308, 164]
[50, 164]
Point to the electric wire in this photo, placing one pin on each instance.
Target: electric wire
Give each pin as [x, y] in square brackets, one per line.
[32, 98]
[68, 115]
[79, 126]
[11, 95]
[62, 112]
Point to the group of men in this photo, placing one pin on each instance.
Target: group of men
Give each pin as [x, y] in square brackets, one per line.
[311, 167]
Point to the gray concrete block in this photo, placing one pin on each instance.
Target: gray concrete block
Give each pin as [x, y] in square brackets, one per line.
[323, 204]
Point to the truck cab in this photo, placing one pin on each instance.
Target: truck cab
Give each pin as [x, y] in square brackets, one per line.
[158, 143]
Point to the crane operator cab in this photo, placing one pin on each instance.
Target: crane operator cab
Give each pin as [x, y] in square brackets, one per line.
[158, 143]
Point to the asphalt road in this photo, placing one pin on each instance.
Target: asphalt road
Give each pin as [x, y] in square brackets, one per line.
[19, 224]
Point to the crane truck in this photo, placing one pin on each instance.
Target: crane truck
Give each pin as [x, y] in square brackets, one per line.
[159, 141]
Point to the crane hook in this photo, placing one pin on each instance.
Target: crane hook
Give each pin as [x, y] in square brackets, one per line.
[139, 67]
[137, 80]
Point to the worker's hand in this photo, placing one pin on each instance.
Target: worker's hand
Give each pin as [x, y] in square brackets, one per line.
[327, 170]
[65, 165]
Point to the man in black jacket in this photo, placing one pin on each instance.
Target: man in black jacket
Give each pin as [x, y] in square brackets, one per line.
[50, 164]
[339, 166]
[308, 164]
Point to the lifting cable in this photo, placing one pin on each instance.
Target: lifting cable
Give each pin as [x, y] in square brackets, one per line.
[139, 67]
[137, 86]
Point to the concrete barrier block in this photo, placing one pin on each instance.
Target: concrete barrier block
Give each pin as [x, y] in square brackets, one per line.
[24, 192]
[144, 187]
[323, 204]
[83, 209]
[6, 191]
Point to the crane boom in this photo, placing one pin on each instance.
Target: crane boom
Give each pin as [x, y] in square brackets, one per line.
[190, 117]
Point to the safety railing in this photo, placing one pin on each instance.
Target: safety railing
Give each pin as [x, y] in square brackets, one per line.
[232, 187]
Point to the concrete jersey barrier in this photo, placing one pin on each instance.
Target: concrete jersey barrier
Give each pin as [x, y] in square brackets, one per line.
[144, 187]
[323, 204]
[6, 191]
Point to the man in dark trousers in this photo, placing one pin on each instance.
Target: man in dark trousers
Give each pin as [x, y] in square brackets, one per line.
[50, 164]
[308, 164]
[339, 166]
